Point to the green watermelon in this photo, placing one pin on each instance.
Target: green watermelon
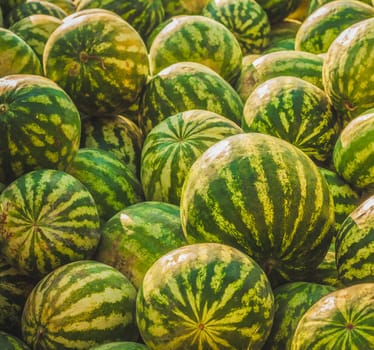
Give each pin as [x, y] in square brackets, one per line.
[263, 196]
[34, 7]
[345, 197]
[69, 6]
[185, 86]
[123, 345]
[355, 245]
[35, 31]
[143, 15]
[296, 111]
[322, 27]
[197, 39]
[39, 124]
[14, 289]
[246, 19]
[313, 5]
[346, 80]
[340, 320]
[353, 155]
[134, 238]
[112, 185]
[299, 64]
[16, 56]
[291, 301]
[78, 306]
[48, 219]
[11, 342]
[172, 147]
[205, 297]
[117, 134]
[99, 60]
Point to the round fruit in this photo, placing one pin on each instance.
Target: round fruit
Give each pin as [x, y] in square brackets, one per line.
[39, 124]
[78, 306]
[263, 196]
[209, 296]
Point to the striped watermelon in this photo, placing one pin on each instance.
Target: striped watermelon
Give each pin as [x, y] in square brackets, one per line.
[35, 31]
[11, 342]
[112, 185]
[48, 218]
[34, 7]
[172, 147]
[345, 197]
[355, 245]
[39, 124]
[102, 73]
[322, 27]
[344, 76]
[143, 15]
[313, 5]
[197, 39]
[124, 345]
[296, 111]
[246, 19]
[14, 289]
[291, 301]
[117, 134]
[340, 320]
[78, 306]
[353, 154]
[299, 64]
[134, 238]
[185, 86]
[263, 196]
[16, 56]
[203, 297]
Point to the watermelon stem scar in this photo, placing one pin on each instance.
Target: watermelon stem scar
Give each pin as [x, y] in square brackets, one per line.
[349, 106]
[3, 108]
[85, 57]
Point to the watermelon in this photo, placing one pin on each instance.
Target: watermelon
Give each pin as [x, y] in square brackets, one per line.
[340, 320]
[112, 185]
[48, 219]
[355, 245]
[185, 86]
[345, 197]
[80, 305]
[40, 126]
[205, 296]
[143, 15]
[102, 73]
[322, 27]
[198, 39]
[35, 31]
[34, 7]
[117, 134]
[246, 19]
[313, 5]
[11, 342]
[134, 238]
[263, 196]
[172, 147]
[69, 6]
[353, 155]
[299, 64]
[122, 345]
[183, 7]
[291, 301]
[16, 56]
[296, 111]
[14, 289]
[344, 76]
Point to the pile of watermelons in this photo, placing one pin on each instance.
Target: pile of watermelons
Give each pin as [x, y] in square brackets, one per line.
[193, 175]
